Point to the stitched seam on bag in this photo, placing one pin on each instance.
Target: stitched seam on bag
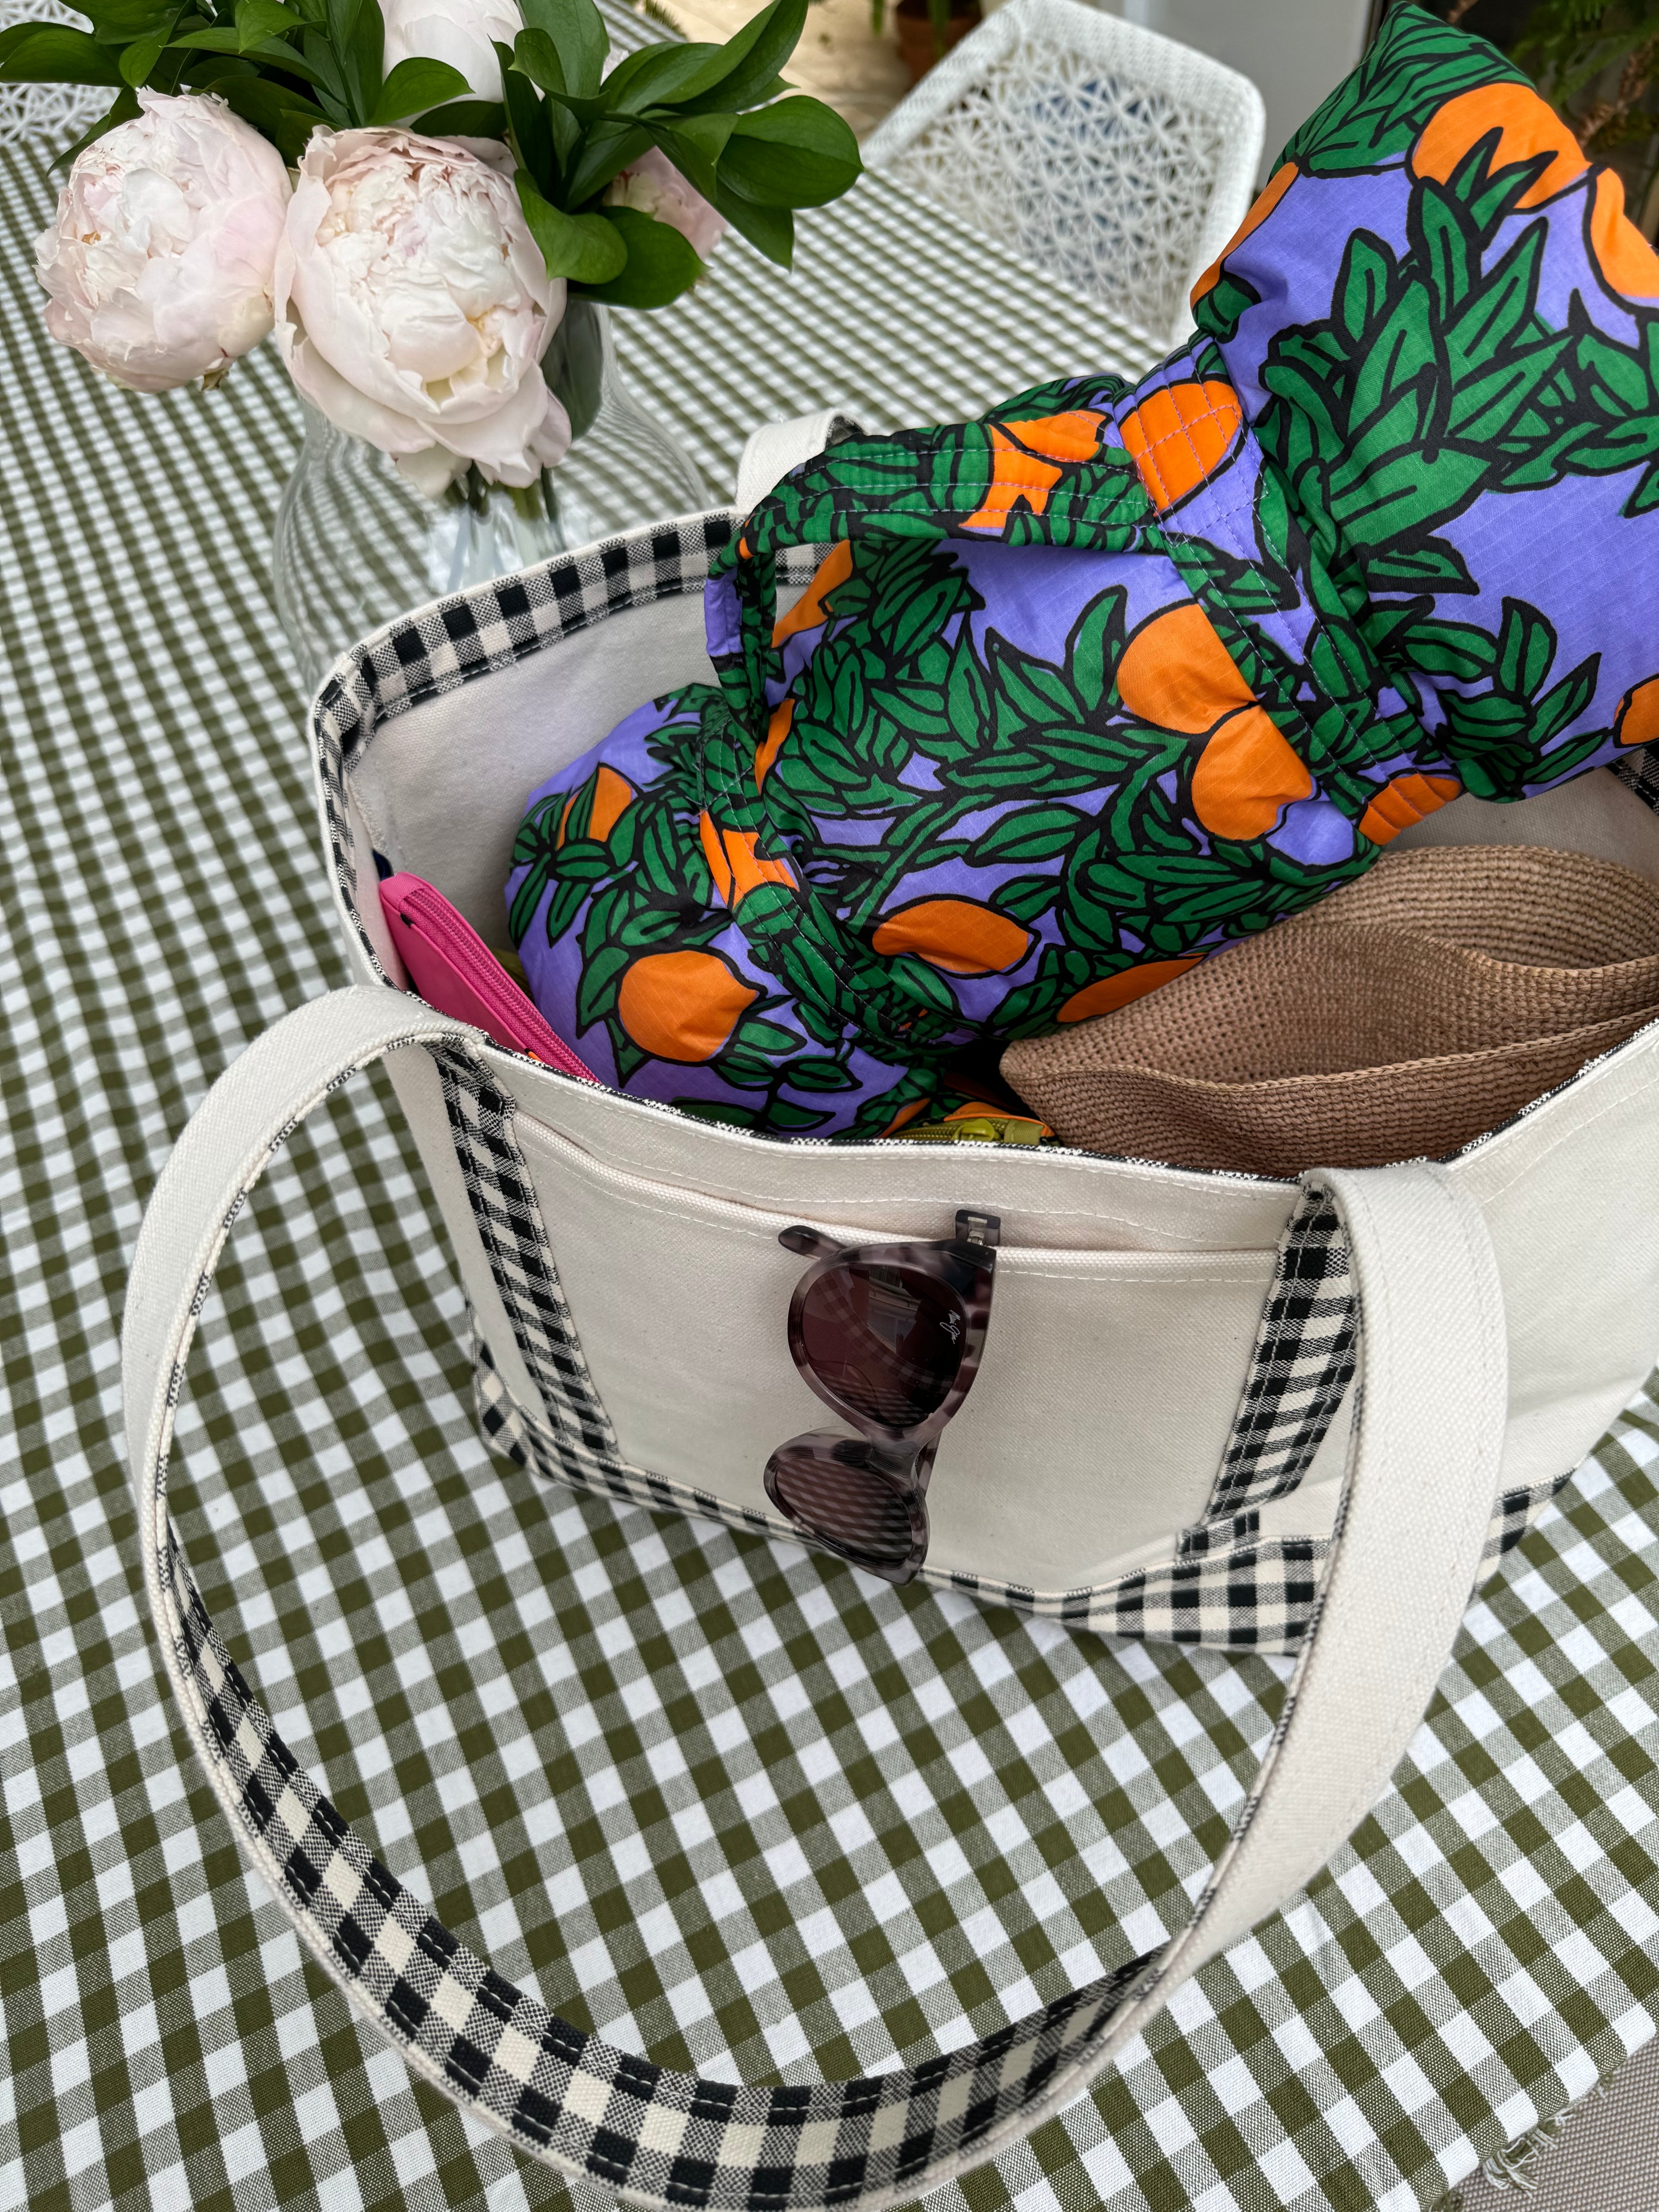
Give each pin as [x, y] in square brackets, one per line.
[1140, 1601]
[769, 1236]
[1131, 1581]
[1195, 1601]
[601, 1176]
[1183, 435]
[1568, 1136]
[793, 1202]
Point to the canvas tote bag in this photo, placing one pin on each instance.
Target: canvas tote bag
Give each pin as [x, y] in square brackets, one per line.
[1213, 1407]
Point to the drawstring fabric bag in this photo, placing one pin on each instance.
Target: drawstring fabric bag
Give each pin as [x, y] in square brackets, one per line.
[1088, 689]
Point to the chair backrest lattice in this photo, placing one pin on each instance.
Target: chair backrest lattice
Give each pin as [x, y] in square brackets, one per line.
[46, 115]
[1114, 159]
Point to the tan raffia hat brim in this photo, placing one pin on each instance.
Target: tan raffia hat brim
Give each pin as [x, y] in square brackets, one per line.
[1411, 1011]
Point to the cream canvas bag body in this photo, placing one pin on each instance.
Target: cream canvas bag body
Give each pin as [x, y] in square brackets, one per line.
[1286, 1416]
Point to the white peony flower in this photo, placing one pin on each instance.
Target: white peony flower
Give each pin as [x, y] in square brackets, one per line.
[160, 261]
[458, 32]
[653, 186]
[413, 306]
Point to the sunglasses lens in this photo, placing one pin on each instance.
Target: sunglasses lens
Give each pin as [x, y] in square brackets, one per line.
[830, 1488]
[886, 1341]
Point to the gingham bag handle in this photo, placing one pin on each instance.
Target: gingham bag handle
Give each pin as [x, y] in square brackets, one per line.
[1422, 1476]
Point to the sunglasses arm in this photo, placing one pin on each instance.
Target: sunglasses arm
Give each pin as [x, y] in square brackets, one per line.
[810, 1243]
[982, 1231]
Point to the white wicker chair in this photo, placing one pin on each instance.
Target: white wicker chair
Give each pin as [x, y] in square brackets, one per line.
[1115, 159]
[46, 115]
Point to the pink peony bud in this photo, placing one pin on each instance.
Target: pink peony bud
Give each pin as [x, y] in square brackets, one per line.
[653, 186]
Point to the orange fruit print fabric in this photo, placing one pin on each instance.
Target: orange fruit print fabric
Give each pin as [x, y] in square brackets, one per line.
[1086, 690]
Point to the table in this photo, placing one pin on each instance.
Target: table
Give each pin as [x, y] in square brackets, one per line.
[706, 1792]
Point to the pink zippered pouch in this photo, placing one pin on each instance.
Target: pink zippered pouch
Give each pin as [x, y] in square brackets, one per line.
[455, 971]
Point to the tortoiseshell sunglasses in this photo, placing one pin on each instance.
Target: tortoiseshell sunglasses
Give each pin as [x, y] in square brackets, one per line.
[889, 1336]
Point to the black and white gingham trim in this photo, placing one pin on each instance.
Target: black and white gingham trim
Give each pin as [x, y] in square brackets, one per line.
[1515, 1513]
[1249, 1596]
[1640, 770]
[492, 627]
[663, 2137]
[1300, 1372]
[508, 1215]
[1229, 1589]
[1224, 1584]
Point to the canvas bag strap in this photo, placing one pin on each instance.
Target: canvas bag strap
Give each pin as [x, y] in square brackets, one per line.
[1424, 1470]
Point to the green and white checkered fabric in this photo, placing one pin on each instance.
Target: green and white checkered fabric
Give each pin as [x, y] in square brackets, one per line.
[706, 1793]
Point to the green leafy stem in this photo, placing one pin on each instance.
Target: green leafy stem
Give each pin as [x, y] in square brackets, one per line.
[722, 114]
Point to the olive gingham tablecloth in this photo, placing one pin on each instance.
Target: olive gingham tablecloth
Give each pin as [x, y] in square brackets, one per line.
[712, 1795]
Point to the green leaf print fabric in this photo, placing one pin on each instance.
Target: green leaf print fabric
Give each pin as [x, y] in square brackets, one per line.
[1086, 690]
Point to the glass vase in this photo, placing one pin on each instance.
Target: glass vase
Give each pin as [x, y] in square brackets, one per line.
[357, 545]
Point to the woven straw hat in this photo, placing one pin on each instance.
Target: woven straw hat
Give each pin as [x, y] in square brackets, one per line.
[1412, 1010]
